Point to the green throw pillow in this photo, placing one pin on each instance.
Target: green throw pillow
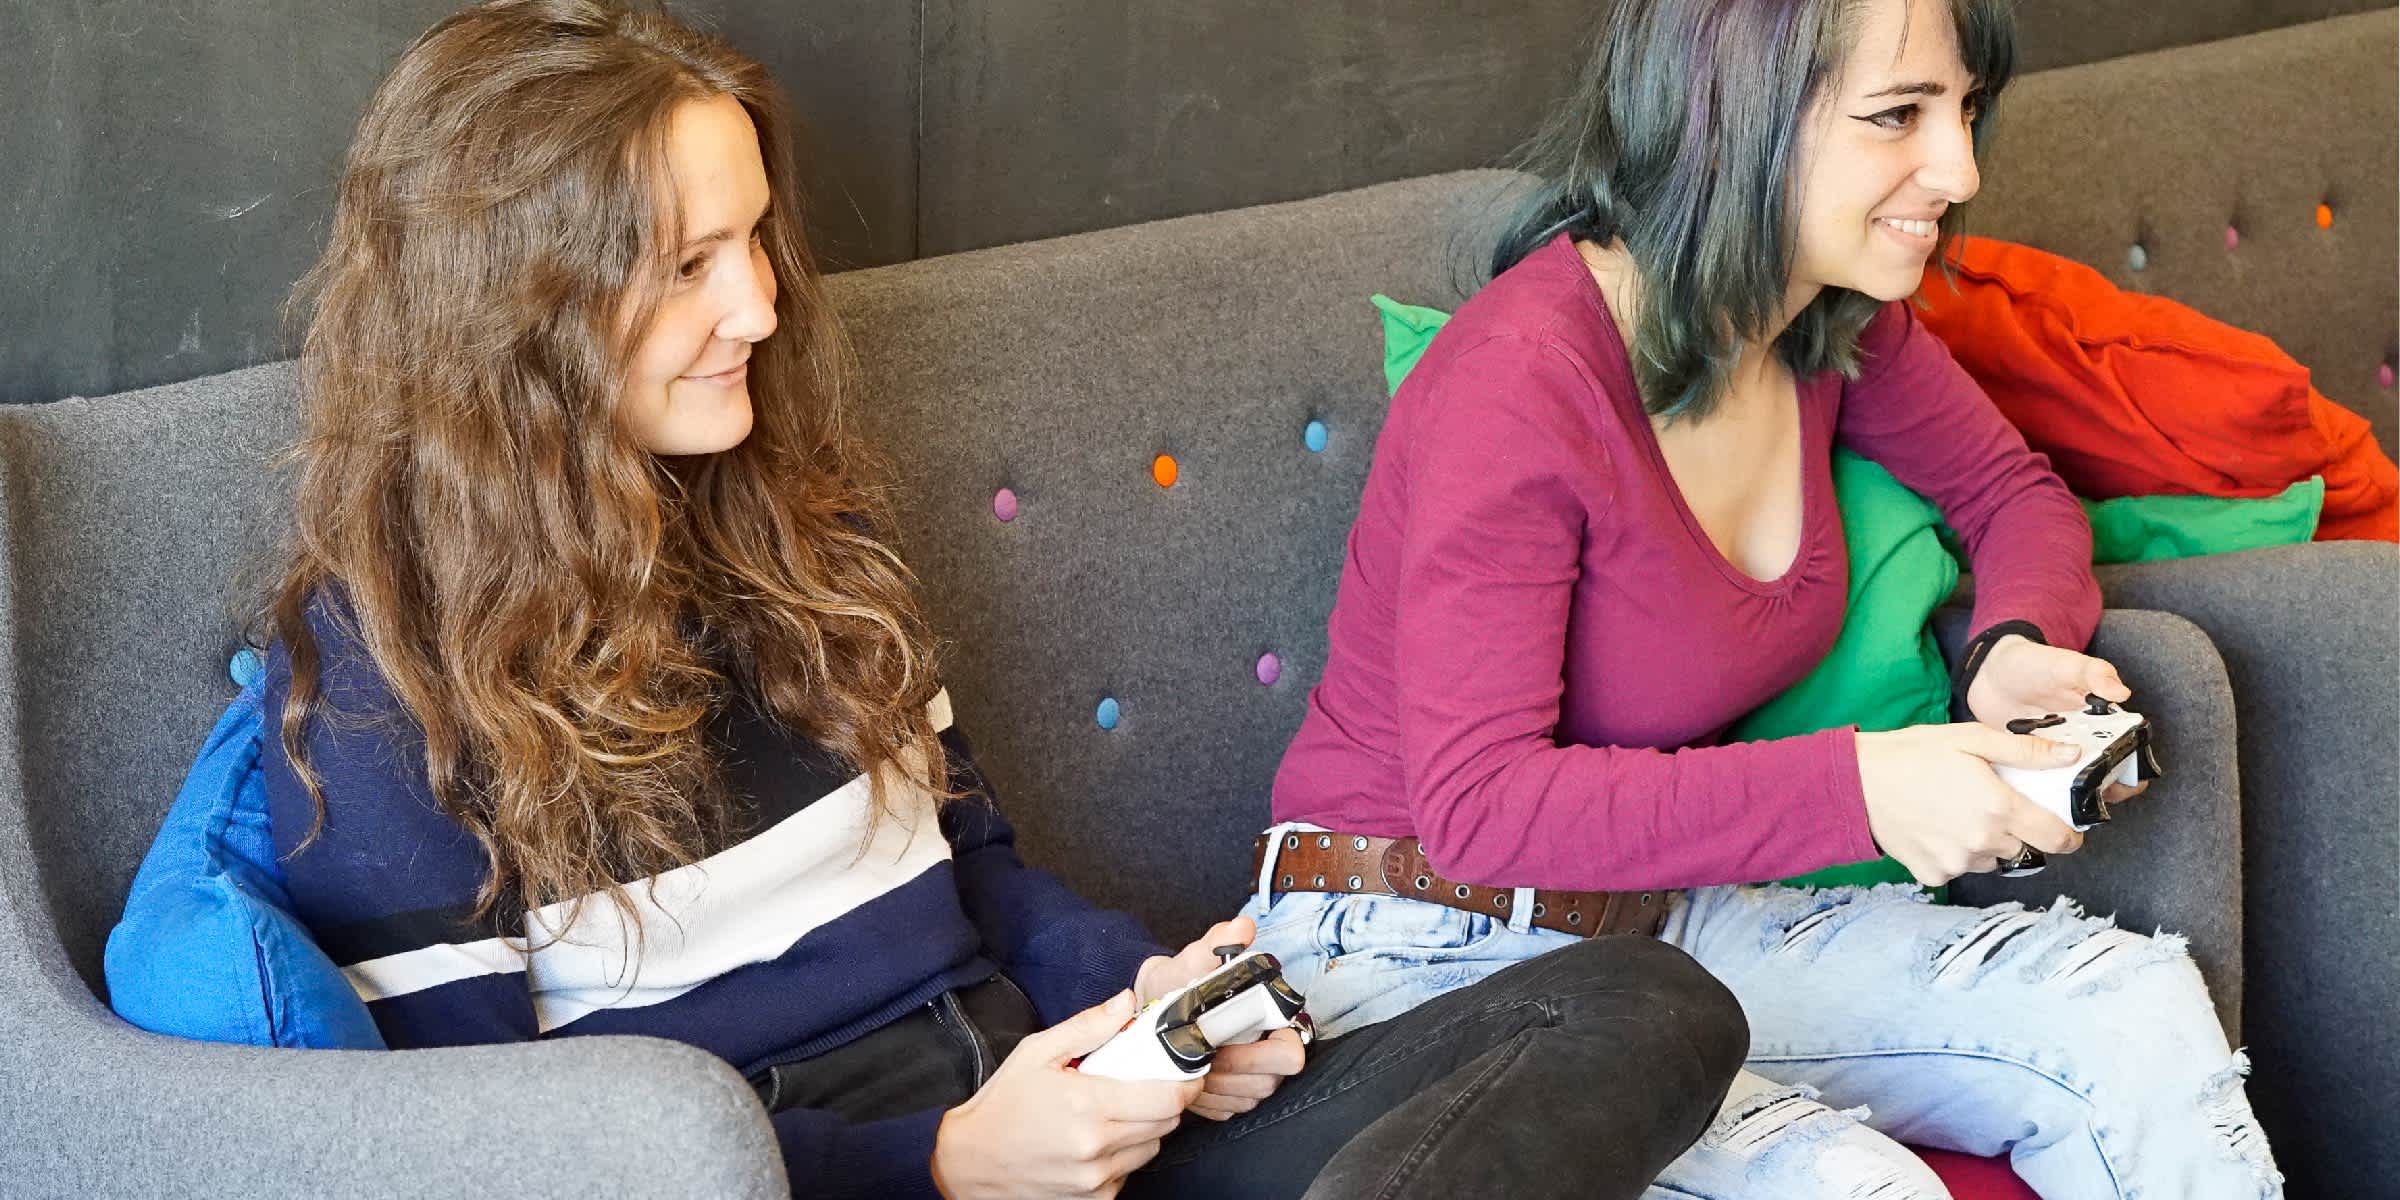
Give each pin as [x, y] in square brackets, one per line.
[2152, 528]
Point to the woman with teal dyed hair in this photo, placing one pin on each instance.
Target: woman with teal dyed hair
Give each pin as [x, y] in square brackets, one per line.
[1599, 528]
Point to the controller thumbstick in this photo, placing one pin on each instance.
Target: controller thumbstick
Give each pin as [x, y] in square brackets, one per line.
[1228, 952]
[2096, 706]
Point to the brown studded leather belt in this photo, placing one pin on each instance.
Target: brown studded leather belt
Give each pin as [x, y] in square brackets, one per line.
[1349, 862]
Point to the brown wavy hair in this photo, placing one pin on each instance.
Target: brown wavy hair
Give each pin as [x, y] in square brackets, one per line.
[561, 611]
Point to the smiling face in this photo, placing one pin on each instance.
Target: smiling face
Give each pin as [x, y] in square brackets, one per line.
[1885, 151]
[687, 390]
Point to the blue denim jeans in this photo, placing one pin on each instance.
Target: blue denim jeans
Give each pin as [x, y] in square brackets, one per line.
[2089, 1054]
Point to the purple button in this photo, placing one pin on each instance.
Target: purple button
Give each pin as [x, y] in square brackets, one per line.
[1004, 505]
[1270, 669]
[2383, 376]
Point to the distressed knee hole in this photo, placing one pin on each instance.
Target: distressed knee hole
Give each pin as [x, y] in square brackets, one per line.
[1787, 1134]
[1745, 1127]
[2095, 955]
[2110, 956]
[2056, 946]
[1973, 947]
[2226, 1105]
[1803, 920]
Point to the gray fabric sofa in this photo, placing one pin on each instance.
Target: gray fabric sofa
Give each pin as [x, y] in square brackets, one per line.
[1058, 370]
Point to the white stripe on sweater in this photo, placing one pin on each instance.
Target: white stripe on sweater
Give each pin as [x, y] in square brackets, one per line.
[746, 904]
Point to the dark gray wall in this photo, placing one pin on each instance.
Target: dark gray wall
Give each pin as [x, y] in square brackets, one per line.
[166, 165]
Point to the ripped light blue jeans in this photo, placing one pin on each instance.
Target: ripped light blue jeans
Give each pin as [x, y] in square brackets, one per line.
[2090, 1055]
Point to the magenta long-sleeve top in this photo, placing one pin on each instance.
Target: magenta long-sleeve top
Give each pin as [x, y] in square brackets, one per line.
[1536, 650]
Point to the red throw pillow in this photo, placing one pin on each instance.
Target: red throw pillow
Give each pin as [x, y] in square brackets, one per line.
[2134, 395]
[1971, 1178]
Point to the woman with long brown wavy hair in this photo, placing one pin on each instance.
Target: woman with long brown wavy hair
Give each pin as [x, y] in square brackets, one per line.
[598, 704]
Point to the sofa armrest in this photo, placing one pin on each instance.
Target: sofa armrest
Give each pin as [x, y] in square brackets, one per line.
[2172, 858]
[102, 1109]
[2311, 640]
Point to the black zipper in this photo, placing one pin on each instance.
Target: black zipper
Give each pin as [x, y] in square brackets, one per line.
[948, 1006]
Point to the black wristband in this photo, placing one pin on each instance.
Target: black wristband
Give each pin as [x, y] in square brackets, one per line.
[1970, 660]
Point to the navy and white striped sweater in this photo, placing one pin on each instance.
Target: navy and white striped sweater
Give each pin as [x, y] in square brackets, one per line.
[784, 943]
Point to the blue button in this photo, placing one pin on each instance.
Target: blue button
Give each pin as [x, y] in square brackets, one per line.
[1316, 437]
[1107, 715]
[245, 667]
[2137, 258]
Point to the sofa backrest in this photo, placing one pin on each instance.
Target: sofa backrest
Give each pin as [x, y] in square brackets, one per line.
[139, 524]
[1060, 371]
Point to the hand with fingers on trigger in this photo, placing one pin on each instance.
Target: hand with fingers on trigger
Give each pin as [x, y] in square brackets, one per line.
[1935, 805]
[1242, 1075]
[1041, 1129]
[2022, 678]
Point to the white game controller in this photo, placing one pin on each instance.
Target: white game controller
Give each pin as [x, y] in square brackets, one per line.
[2115, 749]
[1177, 1035]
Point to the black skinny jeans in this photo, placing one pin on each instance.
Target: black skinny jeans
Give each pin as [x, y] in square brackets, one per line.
[1581, 1073]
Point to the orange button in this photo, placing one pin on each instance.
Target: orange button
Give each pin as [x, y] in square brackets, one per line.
[2324, 216]
[1163, 470]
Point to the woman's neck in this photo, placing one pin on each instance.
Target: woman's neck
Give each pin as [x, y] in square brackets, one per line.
[1621, 285]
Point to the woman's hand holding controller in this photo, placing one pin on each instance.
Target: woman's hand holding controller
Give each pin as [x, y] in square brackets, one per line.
[1039, 1128]
[1935, 806]
[2024, 678]
[1242, 1075]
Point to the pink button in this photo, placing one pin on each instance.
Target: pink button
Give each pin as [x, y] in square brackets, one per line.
[2233, 237]
[2383, 376]
[1004, 505]
[1270, 669]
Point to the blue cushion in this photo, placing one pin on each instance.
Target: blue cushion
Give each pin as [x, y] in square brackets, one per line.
[208, 947]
